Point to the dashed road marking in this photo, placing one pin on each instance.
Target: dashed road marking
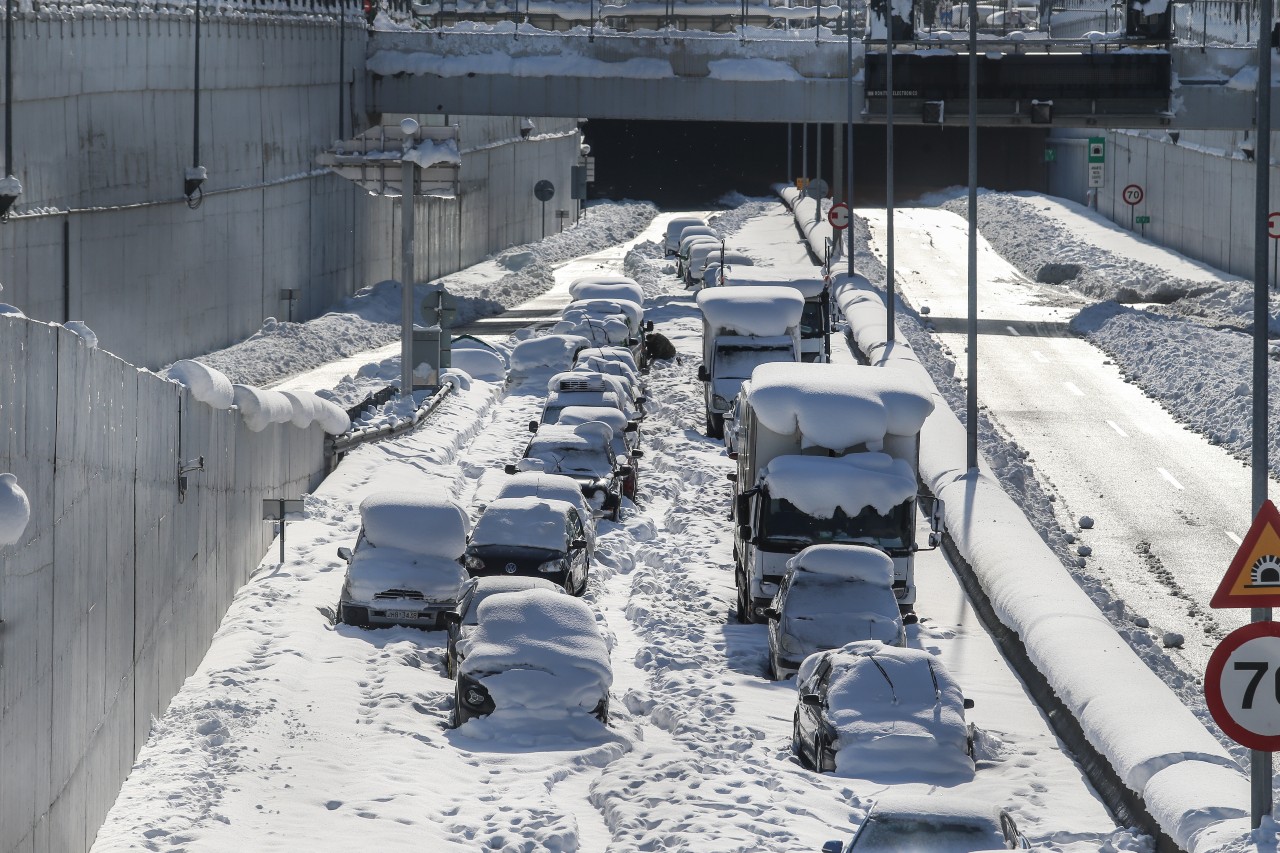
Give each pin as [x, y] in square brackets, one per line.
[1234, 538]
[1169, 477]
[1115, 426]
[1071, 386]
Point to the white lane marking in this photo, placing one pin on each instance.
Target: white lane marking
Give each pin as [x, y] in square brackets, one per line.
[1014, 331]
[1115, 426]
[1169, 477]
[1039, 356]
[1071, 386]
[1234, 538]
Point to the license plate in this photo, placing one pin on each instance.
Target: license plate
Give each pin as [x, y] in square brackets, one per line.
[403, 614]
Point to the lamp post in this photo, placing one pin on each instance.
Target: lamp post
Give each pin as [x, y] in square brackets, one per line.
[888, 177]
[971, 408]
[408, 174]
[10, 186]
[848, 154]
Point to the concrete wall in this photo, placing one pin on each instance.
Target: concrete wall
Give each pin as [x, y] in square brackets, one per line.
[112, 594]
[104, 122]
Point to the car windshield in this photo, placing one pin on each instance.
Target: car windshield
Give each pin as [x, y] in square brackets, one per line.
[811, 325]
[913, 833]
[782, 523]
[737, 362]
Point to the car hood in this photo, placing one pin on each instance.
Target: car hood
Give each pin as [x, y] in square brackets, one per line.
[520, 554]
[379, 570]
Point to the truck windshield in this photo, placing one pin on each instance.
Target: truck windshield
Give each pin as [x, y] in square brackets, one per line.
[737, 362]
[811, 325]
[782, 525]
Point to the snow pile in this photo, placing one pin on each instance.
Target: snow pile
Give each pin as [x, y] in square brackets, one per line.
[421, 522]
[207, 384]
[82, 330]
[838, 406]
[756, 311]
[898, 713]
[15, 510]
[260, 407]
[851, 562]
[555, 351]
[309, 409]
[539, 652]
[819, 485]
[483, 364]
[529, 522]
[431, 152]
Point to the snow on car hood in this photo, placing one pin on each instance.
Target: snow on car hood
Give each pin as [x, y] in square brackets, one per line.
[416, 521]
[539, 650]
[811, 484]
[374, 570]
[838, 406]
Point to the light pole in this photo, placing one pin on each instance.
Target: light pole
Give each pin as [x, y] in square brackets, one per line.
[848, 154]
[971, 408]
[888, 187]
[408, 174]
[10, 187]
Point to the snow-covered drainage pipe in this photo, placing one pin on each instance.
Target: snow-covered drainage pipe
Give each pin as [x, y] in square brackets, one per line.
[1188, 784]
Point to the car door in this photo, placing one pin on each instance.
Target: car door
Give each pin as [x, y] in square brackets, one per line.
[809, 723]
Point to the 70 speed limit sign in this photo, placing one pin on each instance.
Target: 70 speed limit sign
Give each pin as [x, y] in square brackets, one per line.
[1242, 686]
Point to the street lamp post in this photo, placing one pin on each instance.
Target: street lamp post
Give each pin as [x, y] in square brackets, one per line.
[848, 154]
[888, 187]
[408, 174]
[971, 408]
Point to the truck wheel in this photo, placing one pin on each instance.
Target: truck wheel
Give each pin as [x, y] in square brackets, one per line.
[715, 426]
[744, 603]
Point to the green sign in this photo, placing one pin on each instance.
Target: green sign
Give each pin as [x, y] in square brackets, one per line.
[1097, 149]
[1050, 154]
[1143, 220]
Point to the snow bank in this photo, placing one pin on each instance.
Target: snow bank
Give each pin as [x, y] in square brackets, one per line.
[838, 406]
[819, 485]
[207, 385]
[419, 522]
[539, 651]
[304, 407]
[333, 419]
[556, 351]
[851, 562]
[15, 510]
[757, 311]
[377, 570]
[260, 407]
[485, 365]
[82, 330]
[531, 522]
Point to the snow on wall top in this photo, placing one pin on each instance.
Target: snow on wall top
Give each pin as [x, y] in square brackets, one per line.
[758, 311]
[804, 281]
[818, 485]
[420, 522]
[851, 562]
[207, 385]
[838, 406]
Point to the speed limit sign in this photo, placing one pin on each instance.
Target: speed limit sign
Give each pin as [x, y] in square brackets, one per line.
[1133, 195]
[1242, 686]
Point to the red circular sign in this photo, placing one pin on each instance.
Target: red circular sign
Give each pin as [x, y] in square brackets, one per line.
[1273, 225]
[1242, 686]
[1133, 195]
[838, 216]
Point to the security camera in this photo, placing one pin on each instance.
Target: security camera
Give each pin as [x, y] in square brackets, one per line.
[584, 149]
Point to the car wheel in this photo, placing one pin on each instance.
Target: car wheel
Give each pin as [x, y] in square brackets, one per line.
[797, 742]
[773, 669]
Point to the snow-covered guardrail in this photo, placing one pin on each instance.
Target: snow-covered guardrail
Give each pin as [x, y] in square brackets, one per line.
[342, 443]
[811, 220]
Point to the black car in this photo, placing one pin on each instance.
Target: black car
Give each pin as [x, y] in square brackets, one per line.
[533, 537]
[463, 618]
[933, 821]
[584, 453]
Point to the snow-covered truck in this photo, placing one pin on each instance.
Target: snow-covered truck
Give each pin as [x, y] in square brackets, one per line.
[815, 323]
[826, 453]
[742, 328]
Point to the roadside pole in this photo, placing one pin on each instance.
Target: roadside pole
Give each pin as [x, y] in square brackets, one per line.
[971, 408]
[888, 176]
[850, 249]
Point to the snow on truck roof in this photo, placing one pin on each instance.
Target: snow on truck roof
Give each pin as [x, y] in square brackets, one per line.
[808, 285]
[763, 311]
[819, 485]
[838, 406]
[590, 289]
[421, 523]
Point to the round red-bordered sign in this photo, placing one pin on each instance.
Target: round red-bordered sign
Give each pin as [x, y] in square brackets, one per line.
[1242, 686]
[1273, 225]
[1133, 195]
[838, 216]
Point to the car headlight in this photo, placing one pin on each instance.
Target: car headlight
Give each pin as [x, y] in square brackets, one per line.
[790, 644]
[719, 402]
[549, 566]
[473, 563]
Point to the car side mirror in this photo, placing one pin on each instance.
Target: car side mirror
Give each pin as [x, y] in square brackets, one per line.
[637, 453]
[453, 617]
[813, 700]
[703, 375]
[744, 532]
[771, 613]
[578, 544]
[910, 619]
[732, 476]
[832, 847]
[742, 507]
[510, 467]
[733, 454]
[648, 325]
[344, 553]
[626, 471]
[533, 426]
[968, 704]
[640, 401]
[632, 426]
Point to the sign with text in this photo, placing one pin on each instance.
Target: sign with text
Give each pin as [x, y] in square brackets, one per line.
[1095, 175]
[1242, 686]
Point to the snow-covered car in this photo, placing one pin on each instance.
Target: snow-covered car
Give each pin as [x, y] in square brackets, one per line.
[553, 487]
[607, 287]
[938, 821]
[626, 435]
[873, 711]
[406, 567]
[621, 354]
[677, 224]
[613, 367]
[589, 313]
[718, 259]
[591, 388]
[696, 260]
[530, 536]
[686, 246]
[585, 453]
[534, 654]
[832, 595]
[465, 616]
[541, 352]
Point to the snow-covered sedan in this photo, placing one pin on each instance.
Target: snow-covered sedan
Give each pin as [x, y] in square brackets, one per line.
[534, 655]
[626, 437]
[873, 711]
[937, 821]
[530, 536]
[406, 568]
[585, 453]
[832, 595]
[464, 618]
[554, 487]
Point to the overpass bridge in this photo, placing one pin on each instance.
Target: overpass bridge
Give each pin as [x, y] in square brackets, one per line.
[765, 75]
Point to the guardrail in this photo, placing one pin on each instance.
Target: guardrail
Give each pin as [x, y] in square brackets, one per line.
[338, 445]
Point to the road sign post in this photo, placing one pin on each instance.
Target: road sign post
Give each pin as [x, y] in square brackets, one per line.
[1097, 160]
[275, 509]
[1132, 196]
[1273, 231]
[544, 191]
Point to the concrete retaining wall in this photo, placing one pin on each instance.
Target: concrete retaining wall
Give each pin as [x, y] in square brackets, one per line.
[104, 117]
[111, 596]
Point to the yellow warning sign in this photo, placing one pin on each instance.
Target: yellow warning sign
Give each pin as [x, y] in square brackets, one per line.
[1253, 579]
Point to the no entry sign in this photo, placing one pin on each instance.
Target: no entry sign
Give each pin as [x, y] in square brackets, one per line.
[1242, 686]
[838, 216]
[1273, 225]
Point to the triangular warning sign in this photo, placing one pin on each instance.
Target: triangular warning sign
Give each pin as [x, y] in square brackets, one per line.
[1253, 580]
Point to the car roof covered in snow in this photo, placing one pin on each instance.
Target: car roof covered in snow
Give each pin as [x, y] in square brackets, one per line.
[763, 311]
[627, 291]
[555, 351]
[802, 280]
[851, 562]
[531, 522]
[588, 436]
[420, 522]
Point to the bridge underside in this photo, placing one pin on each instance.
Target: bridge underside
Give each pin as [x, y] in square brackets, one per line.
[627, 77]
